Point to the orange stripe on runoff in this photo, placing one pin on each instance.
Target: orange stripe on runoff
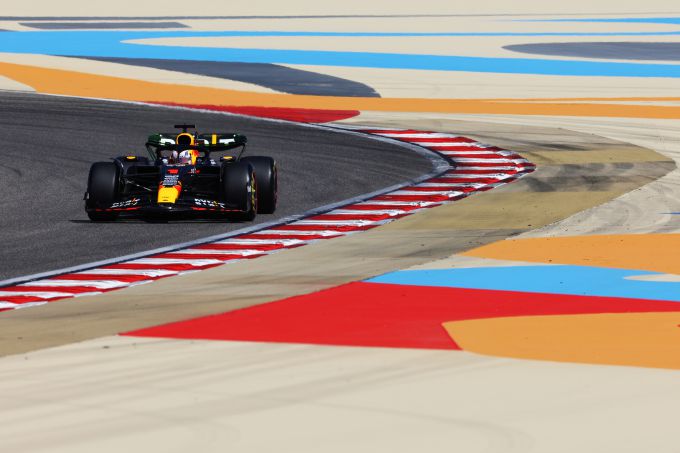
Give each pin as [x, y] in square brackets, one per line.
[630, 339]
[650, 252]
[58, 81]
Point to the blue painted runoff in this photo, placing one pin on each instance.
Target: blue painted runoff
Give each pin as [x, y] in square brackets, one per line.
[111, 44]
[562, 279]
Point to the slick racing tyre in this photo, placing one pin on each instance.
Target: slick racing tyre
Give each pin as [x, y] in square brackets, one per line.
[102, 189]
[267, 182]
[239, 189]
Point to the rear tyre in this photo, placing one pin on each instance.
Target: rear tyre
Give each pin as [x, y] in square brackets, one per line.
[239, 190]
[267, 182]
[102, 189]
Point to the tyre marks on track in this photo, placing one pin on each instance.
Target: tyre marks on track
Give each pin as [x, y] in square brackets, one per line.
[473, 167]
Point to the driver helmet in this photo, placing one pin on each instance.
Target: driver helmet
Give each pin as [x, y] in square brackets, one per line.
[185, 157]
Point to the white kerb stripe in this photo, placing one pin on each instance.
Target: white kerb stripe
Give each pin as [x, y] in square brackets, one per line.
[358, 223]
[40, 294]
[419, 135]
[449, 184]
[482, 161]
[458, 144]
[476, 175]
[284, 242]
[161, 261]
[475, 153]
[426, 192]
[220, 252]
[145, 272]
[471, 185]
[390, 212]
[301, 232]
[438, 144]
[99, 284]
[499, 168]
[419, 204]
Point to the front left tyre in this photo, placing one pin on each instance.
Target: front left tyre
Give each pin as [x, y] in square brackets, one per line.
[239, 189]
[267, 182]
[102, 190]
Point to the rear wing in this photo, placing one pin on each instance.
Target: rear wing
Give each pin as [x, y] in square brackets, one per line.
[204, 143]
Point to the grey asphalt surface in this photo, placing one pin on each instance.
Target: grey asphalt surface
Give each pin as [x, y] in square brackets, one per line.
[49, 143]
[276, 77]
[669, 51]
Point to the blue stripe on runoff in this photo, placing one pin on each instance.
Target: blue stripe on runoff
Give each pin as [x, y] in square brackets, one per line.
[112, 44]
[552, 279]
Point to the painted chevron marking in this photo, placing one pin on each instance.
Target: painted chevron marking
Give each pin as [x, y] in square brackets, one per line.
[474, 167]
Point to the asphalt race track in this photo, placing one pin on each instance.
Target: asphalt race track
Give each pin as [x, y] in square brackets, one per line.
[49, 144]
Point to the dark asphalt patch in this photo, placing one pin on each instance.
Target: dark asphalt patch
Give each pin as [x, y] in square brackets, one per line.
[101, 25]
[669, 51]
[50, 142]
[275, 77]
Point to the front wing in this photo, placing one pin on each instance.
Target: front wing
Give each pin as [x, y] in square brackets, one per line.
[188, 205]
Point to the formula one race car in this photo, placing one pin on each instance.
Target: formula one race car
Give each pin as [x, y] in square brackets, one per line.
[184, 175]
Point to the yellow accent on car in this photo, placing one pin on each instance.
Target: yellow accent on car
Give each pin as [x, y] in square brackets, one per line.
[214, 139]
[168, 194]
[131, 157]
[188, 141]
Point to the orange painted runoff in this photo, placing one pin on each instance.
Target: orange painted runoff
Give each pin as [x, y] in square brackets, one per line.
[58, 81]
[630, 339]
[650, 252]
